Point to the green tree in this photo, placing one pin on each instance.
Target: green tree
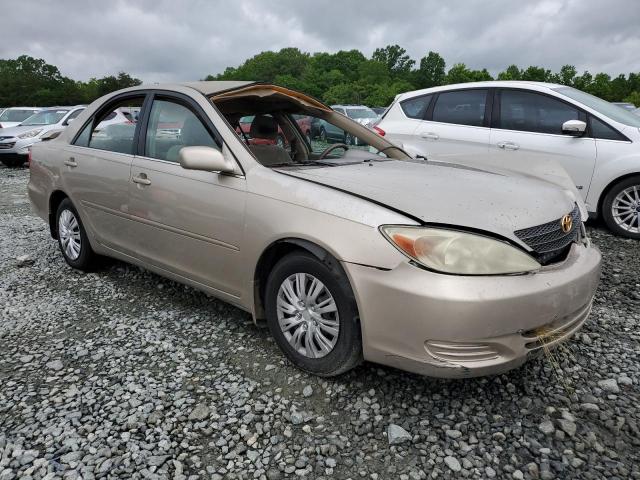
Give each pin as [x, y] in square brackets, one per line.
[395, 58]
[511, 73]
[431, 72]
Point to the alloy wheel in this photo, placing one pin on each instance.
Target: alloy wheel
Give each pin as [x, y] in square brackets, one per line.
[625, 209]
[308, 315]
[69, 232]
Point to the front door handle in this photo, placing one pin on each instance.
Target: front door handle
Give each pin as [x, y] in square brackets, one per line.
[141, 179]
[71, 162]
[430, 136]
[508, 145]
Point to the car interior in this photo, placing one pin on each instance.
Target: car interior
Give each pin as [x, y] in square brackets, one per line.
[277, 111]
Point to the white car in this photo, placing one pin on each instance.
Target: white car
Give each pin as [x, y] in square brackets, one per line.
[13, 116]
[529, 127]
[15, 142]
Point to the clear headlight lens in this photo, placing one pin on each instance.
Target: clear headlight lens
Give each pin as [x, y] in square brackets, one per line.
[30, 133]
[457, 252]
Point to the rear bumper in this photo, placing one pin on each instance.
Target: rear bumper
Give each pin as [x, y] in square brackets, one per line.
[458, 326]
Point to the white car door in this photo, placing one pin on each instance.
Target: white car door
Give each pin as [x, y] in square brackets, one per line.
[527, 135]
[456, 127]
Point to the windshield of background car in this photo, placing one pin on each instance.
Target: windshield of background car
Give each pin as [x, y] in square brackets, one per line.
[15, 115]
[45, 117]
[607, 109]
[361, 113]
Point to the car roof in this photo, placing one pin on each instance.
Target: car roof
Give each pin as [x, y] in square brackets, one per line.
[486, 84]
[24, 108]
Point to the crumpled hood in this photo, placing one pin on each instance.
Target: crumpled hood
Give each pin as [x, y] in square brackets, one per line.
[450, 194]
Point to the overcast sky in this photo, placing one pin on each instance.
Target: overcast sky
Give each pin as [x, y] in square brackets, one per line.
[162, 40]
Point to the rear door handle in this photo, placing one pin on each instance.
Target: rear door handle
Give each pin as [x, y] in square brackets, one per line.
[430, 136]
[141, 179]
[71, 162]
[508, 145]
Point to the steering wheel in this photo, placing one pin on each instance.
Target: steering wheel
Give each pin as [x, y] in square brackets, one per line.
[331, 148]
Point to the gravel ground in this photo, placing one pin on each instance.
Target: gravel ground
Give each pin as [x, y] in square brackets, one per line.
[121, 373]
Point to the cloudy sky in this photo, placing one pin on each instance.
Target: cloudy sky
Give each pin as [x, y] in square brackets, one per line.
[162, 40]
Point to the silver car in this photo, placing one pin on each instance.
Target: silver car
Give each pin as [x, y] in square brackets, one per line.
[348, 252]
[15, 142]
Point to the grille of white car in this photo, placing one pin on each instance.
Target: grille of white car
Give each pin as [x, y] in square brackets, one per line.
[549, 241]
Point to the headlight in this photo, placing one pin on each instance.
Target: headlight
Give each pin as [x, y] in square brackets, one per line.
[30, 133]
[456, 252]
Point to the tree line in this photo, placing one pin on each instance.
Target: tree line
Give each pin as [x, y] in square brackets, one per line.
[351, 77]
[28, 81]
[341, 77]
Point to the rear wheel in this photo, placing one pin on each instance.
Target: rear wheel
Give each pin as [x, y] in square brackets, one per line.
[312, 314]
[72, 238]
[621, 208]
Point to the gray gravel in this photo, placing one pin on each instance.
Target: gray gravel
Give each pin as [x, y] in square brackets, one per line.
[121, 373]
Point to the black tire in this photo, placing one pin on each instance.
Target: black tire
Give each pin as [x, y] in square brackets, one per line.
[347, 351]
[323, 135]
[87, 260]
[280, 141]
[608, 207]
[13, 162]
[348, 139]
[308, 137]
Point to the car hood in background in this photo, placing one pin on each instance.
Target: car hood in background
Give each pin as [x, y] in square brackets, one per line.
[15, 131]
[449, 194]
[8, 125]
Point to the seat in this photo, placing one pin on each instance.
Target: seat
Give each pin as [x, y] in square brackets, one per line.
[266, 127]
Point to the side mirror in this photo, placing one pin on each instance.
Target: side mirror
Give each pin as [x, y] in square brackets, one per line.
[69, 121]
[575, 128]
[206, 159]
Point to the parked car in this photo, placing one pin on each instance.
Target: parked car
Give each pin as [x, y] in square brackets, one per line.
[625, 105]
[347, 253]
[330, 133]
[379, 110]
[527, 126]
[15, 115]
[15, 142]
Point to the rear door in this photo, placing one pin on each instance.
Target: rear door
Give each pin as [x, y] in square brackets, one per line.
[187, 222]
[97, 168]
[456, 126]
[527, 136]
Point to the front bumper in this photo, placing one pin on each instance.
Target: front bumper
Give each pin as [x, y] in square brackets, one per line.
[17, 146]
[461, 326]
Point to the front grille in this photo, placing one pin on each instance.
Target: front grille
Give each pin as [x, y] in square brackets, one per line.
[4, 138]
[548, 241]
[7, 145]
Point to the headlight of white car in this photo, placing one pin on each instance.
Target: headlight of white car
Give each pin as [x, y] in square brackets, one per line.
[456, 252]
[30, 133]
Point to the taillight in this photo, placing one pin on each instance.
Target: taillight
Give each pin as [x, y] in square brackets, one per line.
[379, 131]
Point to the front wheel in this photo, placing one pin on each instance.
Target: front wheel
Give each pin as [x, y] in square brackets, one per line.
[13, 162]
[312, 314]
[72, 238]
[621, 208]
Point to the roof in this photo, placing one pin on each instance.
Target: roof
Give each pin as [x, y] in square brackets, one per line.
[209, 88]
[486, 84]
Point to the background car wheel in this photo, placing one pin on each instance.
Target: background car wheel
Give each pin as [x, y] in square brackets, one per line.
[308, 137]
[323, 135]
[312, 314]
[348, 139]
[13, 162]
[72, 238]
[621, 208]
[280, 141]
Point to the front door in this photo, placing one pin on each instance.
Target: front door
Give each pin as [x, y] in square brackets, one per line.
[527, 136]
[188, 222]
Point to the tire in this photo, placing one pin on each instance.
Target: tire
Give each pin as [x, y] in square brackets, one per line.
[308, 137]
[13, 162]
[67, 218]
[348, 139]
[280, 141]
[323, 135]
[621, 208]
[345, 351]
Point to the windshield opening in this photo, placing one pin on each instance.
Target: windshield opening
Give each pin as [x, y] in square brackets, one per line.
[46, 117]
[614, 112]
[281, 130]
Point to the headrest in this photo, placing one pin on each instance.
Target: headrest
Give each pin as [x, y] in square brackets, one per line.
[264, 127]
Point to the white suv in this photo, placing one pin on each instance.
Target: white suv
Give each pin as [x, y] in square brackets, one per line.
[527, 126]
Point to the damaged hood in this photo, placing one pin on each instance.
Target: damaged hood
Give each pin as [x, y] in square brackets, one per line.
[449, 194]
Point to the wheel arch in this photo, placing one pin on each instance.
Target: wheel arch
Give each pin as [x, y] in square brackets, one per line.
[610, 185]
[272, 254]
[55, 199]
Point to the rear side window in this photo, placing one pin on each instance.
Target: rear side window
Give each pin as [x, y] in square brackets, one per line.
[105, 132]
[462, 107]
[533, 112]
[601, 130]
[416, 107]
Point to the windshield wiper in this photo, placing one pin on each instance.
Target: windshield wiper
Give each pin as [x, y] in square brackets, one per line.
[302, 164]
